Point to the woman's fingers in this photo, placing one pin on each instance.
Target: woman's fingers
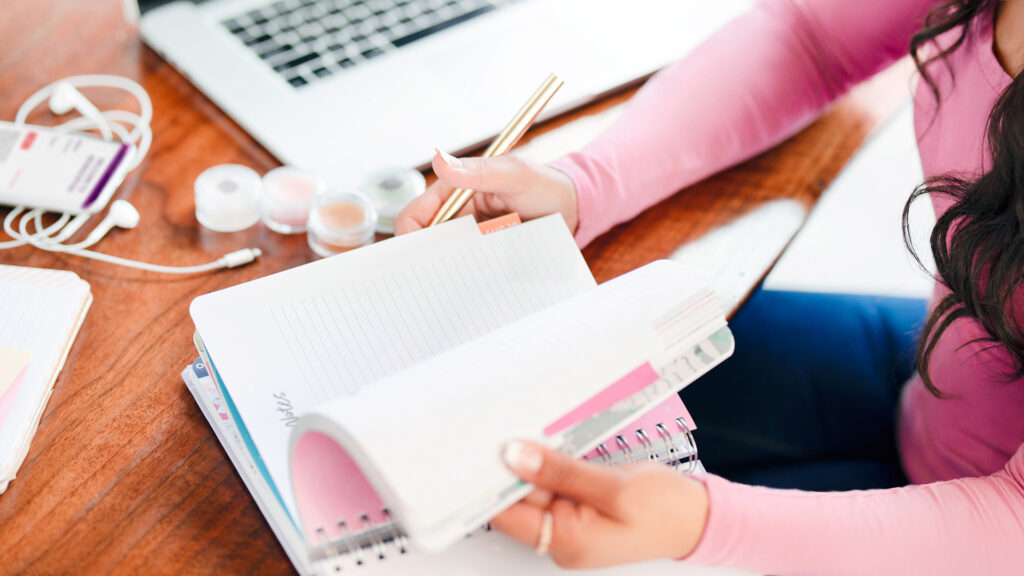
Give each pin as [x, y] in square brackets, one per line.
[601, 516]
[581, 537]
[539, 498]
[560, 474]
[503, 184]
[521, 522]
[500, 174]
[421, 210]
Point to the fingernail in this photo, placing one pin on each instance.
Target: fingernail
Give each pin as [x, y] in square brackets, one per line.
[450, 160]
[522, 457]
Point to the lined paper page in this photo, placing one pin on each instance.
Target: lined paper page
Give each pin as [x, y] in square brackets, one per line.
[290, 342]
[12, 363]
[511, 383]
[347, 337]
[40, 312]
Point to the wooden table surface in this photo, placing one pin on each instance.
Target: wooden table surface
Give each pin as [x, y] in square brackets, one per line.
[124, 474]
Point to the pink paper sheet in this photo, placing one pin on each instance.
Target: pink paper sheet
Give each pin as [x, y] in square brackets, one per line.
[329, 488]
[625, 387]
[7, 400]
[664, 413]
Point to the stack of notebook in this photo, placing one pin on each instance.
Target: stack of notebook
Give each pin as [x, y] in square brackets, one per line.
[40, 314]
[364, 398]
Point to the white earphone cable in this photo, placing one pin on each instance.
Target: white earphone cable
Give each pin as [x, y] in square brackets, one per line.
[8, 221]
[95, 81]
[231, 260]
[46, 233]
[133, 130]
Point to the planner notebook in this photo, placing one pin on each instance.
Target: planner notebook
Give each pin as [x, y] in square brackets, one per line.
[395, 372]
[41, 312]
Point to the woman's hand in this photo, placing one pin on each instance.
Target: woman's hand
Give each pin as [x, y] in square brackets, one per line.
[603, 516]
[503, 184]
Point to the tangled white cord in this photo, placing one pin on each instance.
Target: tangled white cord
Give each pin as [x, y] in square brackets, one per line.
[128, 127]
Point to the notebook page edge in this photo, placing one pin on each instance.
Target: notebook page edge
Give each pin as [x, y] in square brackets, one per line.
[40, 389]
[387, 395]
[241, 459]
[237, 372]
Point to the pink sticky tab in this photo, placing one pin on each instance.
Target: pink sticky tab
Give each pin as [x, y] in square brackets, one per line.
[7, 399]
[625, 387]
[330, 489]
[500, 223]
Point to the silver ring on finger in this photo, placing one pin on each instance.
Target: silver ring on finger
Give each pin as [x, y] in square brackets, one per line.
[547, 529]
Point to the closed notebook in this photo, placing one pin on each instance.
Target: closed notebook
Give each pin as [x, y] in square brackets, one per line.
[41, 312]
[428, 349]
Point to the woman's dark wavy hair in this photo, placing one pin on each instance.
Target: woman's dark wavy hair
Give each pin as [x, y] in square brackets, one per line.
[978, 244]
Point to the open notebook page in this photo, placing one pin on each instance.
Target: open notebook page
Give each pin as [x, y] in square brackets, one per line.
[482, 554]
[511, 383]
[290, 342]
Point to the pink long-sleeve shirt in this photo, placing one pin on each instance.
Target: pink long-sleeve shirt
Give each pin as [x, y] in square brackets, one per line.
[759, 80]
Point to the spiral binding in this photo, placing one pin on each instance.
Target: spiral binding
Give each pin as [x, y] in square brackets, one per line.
[354, 547]
[678, 450]
[380, 541]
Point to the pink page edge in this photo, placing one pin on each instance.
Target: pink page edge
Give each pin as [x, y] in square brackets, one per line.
[7, 400]
[330, 489]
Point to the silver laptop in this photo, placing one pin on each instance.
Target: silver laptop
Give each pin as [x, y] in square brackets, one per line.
[344, 87]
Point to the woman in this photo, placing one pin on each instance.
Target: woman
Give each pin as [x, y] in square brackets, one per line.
[960, 425]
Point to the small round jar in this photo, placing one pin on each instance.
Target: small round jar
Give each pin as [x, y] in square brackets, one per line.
[390, 190]
[340, 221]
[228, 197]
[288, 195]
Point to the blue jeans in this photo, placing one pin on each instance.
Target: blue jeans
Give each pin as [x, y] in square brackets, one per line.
[810, 397]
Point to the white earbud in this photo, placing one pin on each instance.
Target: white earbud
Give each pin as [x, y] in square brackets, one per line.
[66, 98]
[121, 215]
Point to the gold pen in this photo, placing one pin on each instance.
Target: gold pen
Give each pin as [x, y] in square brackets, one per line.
[504, 142]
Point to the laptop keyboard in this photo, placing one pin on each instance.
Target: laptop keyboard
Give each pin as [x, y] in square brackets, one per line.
[307, 40]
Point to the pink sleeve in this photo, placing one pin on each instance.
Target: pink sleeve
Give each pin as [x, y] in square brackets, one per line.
[966, 526]
[752, 84]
